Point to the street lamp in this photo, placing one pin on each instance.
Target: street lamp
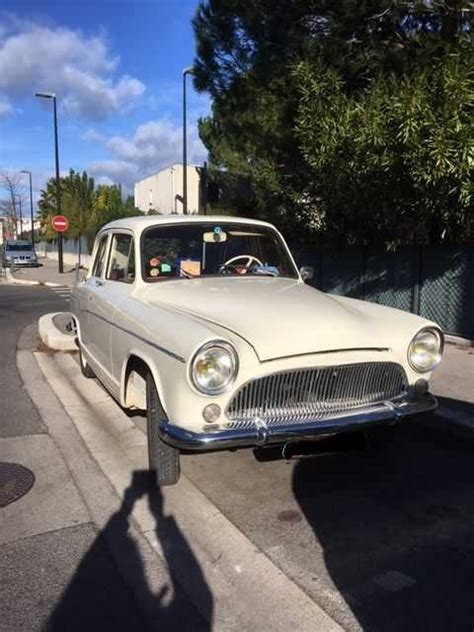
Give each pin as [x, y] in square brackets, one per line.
[31, 210]
[51, 95]
[186, 71]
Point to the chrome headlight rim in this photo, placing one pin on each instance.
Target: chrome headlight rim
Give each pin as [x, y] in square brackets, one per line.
[438, 356]
[214, 344]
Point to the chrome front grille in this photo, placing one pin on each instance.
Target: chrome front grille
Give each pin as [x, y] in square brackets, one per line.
[315, 393]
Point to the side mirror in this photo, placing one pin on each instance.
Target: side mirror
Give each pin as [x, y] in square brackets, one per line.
[307, 273]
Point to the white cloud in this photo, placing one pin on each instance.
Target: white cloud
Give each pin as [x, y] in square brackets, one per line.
[92, 135]
[5, 107]
[81, 69]
[114, 172]
[153, 146]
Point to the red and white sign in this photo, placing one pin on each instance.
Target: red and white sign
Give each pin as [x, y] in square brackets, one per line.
[60, 223]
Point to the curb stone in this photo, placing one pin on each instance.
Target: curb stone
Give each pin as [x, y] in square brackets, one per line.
[52, 337]
[11, 279]
[458, 341]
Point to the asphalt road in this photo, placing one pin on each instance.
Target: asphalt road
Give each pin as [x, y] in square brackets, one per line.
[18, 308]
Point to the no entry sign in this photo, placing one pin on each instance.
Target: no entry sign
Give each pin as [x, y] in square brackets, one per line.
[60, 223]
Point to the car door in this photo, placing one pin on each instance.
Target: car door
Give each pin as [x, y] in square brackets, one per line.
[97, 339]
[119, 283]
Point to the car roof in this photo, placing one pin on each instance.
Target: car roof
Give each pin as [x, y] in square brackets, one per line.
[138, 224]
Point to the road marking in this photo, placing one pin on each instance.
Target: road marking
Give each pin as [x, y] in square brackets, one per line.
[60, 288]
[62, 291]
[257, 596]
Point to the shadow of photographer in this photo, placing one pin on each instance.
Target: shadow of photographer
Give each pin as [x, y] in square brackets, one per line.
[97, 597]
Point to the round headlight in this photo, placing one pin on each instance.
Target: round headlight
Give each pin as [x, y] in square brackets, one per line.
[425, 350]
[214, 367]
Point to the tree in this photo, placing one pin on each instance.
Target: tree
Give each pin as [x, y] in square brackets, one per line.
[77, 197]
[393, 161]
[305, 145]
[13, 186]
[87, 208]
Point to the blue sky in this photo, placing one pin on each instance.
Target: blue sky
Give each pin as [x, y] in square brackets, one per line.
[116, 67]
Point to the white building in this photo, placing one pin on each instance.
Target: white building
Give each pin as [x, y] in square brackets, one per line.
[163, 191]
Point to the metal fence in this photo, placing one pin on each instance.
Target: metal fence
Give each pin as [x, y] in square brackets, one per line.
[436, 282]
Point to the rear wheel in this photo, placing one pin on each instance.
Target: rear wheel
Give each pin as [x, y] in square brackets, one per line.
[162, 458]
[85, 368]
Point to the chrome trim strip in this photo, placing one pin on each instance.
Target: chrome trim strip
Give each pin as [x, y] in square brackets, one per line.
[261, 434]
[132, 333]
[327, 351]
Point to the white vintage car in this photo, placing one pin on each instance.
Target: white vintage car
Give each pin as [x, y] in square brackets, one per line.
[207, 324]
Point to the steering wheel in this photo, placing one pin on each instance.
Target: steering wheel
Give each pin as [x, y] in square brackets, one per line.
[231, 262]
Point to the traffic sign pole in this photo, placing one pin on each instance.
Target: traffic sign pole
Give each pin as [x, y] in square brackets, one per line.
[60, 253]
[60, 224]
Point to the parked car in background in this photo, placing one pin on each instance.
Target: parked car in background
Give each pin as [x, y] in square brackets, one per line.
[207, 324]
[19, 253]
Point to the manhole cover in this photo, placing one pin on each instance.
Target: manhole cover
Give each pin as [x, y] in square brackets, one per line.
[15, 482]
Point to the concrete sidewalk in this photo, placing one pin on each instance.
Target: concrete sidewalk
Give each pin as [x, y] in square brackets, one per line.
[72, 556]
[48, 274]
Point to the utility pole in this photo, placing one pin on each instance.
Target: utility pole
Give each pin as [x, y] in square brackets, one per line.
[186, 71]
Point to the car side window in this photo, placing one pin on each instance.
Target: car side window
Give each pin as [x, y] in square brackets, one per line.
[100, 257]
[122, 260]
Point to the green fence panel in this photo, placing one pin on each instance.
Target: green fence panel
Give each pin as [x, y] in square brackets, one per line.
[447, 290]
[388, 278]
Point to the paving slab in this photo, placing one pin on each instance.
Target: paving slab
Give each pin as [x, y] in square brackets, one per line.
[53, 502]
[64, 580]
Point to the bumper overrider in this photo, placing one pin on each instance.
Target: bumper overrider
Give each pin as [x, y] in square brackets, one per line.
[262, 434]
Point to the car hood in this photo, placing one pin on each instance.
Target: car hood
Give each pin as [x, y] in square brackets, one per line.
[282, 317]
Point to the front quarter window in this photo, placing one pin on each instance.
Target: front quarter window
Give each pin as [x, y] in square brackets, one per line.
[99, 260]
[121, 262]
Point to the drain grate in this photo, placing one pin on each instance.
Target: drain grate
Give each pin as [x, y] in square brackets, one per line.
[15, 482]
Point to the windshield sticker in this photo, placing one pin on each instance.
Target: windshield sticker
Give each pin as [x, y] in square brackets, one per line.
[165, 267]
[217, 230]
[266, 269]
[154, 262]
[154, 272]
[188, 267]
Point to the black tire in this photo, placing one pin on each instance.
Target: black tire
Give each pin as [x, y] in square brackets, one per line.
[85, 368]
[163, 459]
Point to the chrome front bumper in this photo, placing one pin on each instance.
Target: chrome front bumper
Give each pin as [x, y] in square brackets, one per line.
[262, 435]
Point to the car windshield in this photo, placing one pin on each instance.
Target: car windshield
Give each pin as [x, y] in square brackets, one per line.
[188, 251]
[17, 246]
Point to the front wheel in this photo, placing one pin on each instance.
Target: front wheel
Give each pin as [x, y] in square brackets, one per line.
[162, 458]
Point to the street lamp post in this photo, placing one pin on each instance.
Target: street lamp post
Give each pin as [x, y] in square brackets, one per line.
[186, 71]
[51, 95]
[31, 211]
